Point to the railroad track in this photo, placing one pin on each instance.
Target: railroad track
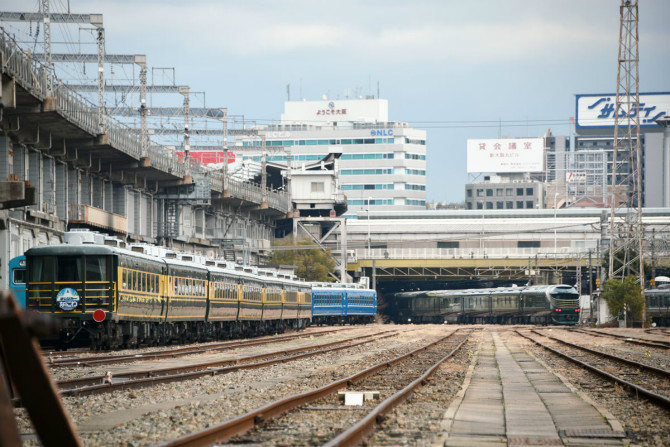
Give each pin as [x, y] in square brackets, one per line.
[658, 331]
[394, 379]
[635, 340]
[177, 352]
[637, 378]
[106, 383]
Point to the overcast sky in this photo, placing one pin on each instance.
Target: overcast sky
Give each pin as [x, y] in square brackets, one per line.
[467, 69]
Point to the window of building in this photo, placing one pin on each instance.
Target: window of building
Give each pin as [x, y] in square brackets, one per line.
[469, 205]
[489, 192]
[499, 205]
[509, 205]
[469, 192]
[528, 244]
[480, 193]
[519, 204]
[529, 191]
[529, 204]
[509, 192]
[519, 191]
[317, 187]
[499, 192]
[480, 205]
[447, 244]
[489, 205]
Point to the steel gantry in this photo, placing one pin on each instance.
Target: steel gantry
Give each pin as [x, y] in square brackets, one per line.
[47, 17]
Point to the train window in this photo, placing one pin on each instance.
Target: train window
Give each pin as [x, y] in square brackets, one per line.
[19, 276]
[69, 268]
[96, 268]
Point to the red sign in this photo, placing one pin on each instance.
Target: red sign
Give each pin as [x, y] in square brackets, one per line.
[208, 157]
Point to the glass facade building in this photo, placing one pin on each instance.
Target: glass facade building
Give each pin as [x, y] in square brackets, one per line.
[383, 163]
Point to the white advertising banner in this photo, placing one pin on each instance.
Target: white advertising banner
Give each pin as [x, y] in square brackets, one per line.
[597, 111]
[506, 155]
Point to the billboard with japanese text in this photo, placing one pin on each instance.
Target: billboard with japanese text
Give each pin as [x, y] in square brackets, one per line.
[506, 155]
[597, 111]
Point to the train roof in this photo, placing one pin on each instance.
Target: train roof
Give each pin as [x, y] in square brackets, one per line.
[72, 249]
[484, 291]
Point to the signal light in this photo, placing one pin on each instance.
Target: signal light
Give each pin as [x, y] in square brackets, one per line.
[99, 315]
[577, 310]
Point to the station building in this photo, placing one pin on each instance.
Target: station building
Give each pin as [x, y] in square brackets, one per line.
[382, 164]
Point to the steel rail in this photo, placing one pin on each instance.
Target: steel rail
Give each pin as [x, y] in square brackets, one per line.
[653, 369]
[176, 352]
[639, 341]
[659, 399]
[100, 384]
[241, 424]
[358, 432]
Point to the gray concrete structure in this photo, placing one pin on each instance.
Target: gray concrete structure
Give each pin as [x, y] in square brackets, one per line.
[50, 140]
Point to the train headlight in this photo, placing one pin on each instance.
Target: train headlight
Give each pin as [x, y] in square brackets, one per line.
[578, 310]
[558, 310]
[409, 320]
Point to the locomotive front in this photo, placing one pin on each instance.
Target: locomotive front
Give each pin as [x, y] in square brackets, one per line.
[564, 301]
[72, 282]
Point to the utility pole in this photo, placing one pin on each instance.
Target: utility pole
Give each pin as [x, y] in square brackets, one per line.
[626, 229]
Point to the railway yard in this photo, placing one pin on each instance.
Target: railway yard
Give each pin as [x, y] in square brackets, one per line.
[424, 385]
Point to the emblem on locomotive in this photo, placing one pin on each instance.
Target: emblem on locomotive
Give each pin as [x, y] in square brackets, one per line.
[67, 299]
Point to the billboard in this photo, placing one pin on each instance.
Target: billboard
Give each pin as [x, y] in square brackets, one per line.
[597, 111]
[506, 155]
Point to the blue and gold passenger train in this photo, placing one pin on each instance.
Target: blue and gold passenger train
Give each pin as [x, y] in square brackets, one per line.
[113, 296]
[534, 304]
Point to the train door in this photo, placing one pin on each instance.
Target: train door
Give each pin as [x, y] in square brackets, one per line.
[17, 279]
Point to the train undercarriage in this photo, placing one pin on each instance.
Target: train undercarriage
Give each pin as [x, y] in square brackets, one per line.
[129, 334]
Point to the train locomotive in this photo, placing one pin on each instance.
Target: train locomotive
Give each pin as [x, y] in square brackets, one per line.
[113, 296]
[504, 305]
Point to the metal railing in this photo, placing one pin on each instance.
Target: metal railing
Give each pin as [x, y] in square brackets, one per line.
[31, 75]
[469, 253]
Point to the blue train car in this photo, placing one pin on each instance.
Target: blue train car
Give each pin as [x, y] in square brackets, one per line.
[334, 303]
[17, 279]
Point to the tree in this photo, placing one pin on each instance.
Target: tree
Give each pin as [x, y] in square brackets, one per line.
[313, 264]
[623, 296]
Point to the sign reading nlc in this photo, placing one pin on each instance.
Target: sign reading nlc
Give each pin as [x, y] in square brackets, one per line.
[597, 111]
[382, 133]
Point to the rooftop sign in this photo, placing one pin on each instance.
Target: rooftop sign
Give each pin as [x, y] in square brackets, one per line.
[597, 111]
[506, 155]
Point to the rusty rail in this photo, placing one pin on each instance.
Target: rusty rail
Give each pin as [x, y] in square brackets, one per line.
[357, 433]
[101, 384]
[659, 399]
[653, 369]
[226, 430]
[176, 352]
[637, 341]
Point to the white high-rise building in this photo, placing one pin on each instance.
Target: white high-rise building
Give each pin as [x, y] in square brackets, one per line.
[383, 163]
